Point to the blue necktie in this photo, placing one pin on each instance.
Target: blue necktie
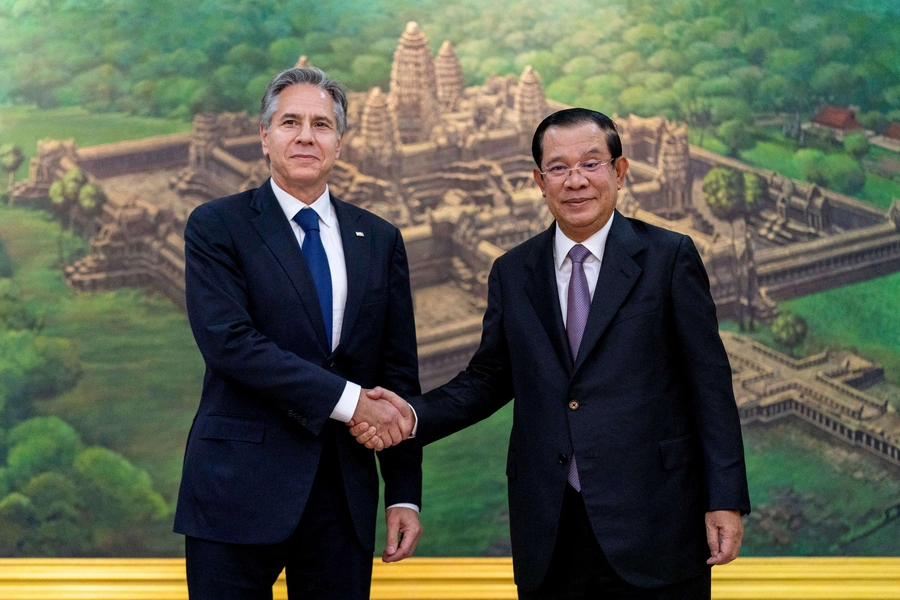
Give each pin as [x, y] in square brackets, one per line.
[317, 260]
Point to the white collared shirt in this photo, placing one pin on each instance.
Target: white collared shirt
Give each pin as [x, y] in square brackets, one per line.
[337, 264]
[334, 249]
[596, 245]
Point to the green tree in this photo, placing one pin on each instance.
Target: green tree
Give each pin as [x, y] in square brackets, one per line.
[17, 520]
[736, 135]
[843, 174]
[724, 191]
[116, 491]
[14, 313]
[11, 158]
[856, 145]
[812, 164]
[874, 121]
[64, 194]
[565, 89]
[62, 526]
[756, 192]
[40, 445]
[91, 199]
[789, 330]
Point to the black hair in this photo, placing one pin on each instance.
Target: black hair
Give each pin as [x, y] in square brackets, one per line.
[569, 118]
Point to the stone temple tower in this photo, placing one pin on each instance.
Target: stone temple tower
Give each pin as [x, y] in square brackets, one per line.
[674, 163]
[376, 127]
[530, 103]
[449, 75]
[413, 95]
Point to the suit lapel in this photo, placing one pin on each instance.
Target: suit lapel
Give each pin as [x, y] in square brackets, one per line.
[618, 274]
[541, 289]
[277, 234]
[357, 251]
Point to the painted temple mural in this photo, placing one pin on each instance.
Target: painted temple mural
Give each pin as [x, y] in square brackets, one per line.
[767, 131]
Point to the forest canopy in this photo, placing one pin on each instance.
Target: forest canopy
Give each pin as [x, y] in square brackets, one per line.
[695, 60]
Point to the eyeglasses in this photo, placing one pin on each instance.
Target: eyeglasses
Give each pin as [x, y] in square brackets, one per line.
[562, 172]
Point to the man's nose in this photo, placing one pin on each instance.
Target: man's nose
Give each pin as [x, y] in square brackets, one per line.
[305, 134]
[576, 180]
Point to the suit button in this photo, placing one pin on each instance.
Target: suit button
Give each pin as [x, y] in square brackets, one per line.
[562, 458]
[291, 413]
[303, 421]
[331, 365]
[573, 405]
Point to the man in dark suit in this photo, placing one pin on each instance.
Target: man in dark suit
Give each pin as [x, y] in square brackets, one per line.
[299, 302]
[626, 467]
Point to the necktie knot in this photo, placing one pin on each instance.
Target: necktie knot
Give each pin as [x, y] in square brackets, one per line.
[307, 219]
[578, 253]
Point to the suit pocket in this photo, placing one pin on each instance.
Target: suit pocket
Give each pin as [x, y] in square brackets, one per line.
[636, 309]
[231, 427]
[511, 464]
[676, 452]
[378, 296]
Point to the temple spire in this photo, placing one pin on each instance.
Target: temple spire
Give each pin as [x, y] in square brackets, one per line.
[413, 94]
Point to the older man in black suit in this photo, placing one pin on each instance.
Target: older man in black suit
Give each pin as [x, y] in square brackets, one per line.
[626, 467]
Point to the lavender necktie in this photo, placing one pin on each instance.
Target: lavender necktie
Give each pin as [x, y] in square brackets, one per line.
[577, 308]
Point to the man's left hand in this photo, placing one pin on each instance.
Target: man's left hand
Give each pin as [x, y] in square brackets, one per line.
[403, 533]
[724, 531]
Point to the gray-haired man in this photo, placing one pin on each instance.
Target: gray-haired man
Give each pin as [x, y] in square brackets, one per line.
[299, 303]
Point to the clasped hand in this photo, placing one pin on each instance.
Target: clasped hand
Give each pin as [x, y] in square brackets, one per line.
[382, 419]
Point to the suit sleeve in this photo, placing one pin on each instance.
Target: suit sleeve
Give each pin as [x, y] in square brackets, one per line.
[709, 383]
[479, 391]
[232, 347]
[401, 465]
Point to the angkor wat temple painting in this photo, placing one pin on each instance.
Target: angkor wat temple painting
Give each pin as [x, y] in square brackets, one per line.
[449, 163]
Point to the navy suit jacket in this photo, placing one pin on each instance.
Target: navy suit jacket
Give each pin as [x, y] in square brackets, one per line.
[272, 379]
[655, 430]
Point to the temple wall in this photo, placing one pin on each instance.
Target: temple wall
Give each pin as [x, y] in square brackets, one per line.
[429, 256]
[123, 158]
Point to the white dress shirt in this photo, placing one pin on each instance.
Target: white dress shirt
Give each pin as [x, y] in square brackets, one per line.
[596, 244]
[330, 232]
[334, 250]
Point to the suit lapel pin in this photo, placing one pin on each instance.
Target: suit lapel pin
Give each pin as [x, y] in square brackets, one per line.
[360, 234]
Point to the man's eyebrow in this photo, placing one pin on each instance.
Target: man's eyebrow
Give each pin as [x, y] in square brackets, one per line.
[594, 150]
[297, 117]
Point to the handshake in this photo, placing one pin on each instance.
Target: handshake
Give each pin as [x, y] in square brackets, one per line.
[382, 419]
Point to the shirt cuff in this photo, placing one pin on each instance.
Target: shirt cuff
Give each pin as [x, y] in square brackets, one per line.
[412, 434]
[346, 406]
[404, 505]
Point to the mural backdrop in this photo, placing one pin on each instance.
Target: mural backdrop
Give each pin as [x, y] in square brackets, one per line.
[768, 130]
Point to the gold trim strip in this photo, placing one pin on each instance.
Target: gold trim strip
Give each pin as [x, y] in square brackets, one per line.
[448, 579]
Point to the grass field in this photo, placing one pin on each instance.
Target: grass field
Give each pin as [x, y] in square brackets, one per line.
[141, 370]
[862, 316]
[23, 126]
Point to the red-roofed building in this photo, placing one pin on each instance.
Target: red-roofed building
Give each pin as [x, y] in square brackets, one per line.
[893, 131]
[839, 120]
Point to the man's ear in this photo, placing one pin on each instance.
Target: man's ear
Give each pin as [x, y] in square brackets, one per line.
[621, 170]
[264, 137]
[539, 180]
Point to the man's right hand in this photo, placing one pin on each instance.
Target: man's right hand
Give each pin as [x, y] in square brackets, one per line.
[381, 423]
[369, 433]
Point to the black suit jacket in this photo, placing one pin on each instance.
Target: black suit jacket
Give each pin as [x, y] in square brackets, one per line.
[272, 379]
[655, 429]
